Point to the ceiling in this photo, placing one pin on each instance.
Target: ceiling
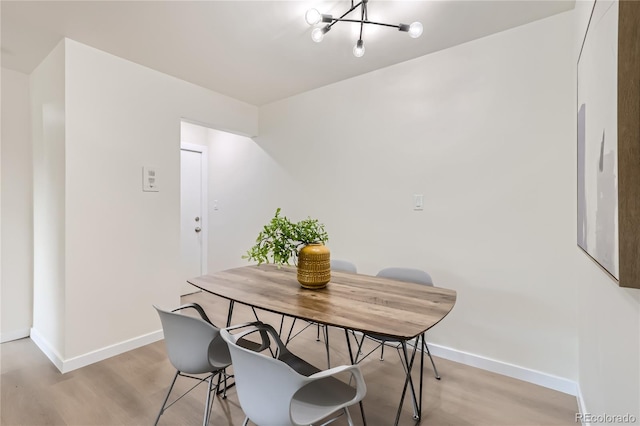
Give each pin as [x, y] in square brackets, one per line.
[254, 51]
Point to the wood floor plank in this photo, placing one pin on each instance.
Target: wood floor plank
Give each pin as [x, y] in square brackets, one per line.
[128, 389]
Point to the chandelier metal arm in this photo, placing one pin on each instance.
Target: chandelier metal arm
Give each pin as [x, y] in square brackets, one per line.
[364, 19]
[367, 22]
[334, 20]
[313, 17]
[363, 16]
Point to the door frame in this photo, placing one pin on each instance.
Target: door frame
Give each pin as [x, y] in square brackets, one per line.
[204, 217]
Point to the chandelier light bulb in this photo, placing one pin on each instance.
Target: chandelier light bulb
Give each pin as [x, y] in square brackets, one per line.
[358, 49]
[317, 35]
[323, 24]
[415, 30]
[312, 16]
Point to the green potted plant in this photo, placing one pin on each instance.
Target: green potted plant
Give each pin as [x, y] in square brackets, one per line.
[282, 241]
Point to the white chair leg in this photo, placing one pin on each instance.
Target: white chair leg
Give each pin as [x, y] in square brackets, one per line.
[224, 373]
[208, 403]
[349, 420]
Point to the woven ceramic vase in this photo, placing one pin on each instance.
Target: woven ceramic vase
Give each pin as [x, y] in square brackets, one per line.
[314, 266]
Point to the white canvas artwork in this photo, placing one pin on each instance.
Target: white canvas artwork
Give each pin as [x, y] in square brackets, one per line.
[598, 138]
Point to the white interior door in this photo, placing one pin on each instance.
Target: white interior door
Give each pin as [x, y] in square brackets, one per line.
[193, 232]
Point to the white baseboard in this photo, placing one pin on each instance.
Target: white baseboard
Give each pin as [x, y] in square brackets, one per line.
[95, 356]
[582, 408]
[510, 370]
[46, 348]
[109, 351]
[14, 335]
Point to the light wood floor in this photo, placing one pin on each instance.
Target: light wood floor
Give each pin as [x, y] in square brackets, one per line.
[128, 389]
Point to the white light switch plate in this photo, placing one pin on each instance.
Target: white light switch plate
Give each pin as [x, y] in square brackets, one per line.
[150, 179]
[418, 202]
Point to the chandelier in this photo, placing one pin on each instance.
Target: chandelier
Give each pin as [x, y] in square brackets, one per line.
[313, 17]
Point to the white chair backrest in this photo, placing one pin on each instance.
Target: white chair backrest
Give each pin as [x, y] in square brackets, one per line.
[411, 275]
[343, 266]
[193, 345]
[265, 385]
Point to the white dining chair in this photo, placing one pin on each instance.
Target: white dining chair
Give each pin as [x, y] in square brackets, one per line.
[412, 275]
[343, 266]
[277, 391]
[194, 347]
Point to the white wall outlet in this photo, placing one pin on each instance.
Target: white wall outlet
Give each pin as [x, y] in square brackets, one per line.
[150, 179]
[418, 202]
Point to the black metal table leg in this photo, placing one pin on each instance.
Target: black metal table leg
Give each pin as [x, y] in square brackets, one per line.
[326, 344]
[421, 373]
[408, 382]
[346, 335]
[230, 312]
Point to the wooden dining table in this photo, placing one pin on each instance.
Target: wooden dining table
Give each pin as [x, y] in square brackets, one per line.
[399, 310]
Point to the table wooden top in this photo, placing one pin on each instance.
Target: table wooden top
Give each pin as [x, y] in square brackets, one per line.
[358, 302]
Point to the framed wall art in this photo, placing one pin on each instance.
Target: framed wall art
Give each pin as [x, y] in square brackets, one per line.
[608, 163]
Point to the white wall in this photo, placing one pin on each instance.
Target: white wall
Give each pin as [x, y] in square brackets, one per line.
[485, 131]
[17, 208]
[121, 245]
[47, 90]
[246, 185]
[609, 320]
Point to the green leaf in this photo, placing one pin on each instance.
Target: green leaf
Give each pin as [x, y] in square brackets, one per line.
[279, 240]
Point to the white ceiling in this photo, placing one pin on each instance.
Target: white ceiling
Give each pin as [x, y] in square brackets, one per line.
[254, 51]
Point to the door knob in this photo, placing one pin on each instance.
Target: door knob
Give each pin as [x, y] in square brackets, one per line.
[198, 229]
